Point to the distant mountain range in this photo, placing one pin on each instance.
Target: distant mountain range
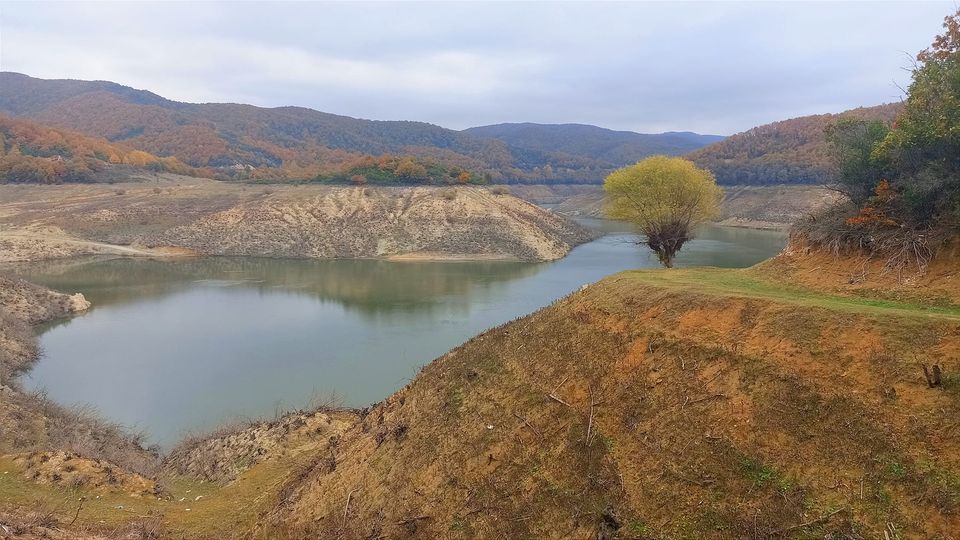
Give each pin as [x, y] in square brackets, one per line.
[612, 148]
[297, 143]
[234, 141]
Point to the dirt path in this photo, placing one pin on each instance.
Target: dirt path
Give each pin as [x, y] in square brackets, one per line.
[20, 245]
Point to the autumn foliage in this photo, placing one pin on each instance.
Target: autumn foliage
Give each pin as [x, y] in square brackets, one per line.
[916, 163]
[877, 209]
[243, 142]
[31, 152]
[902, 181]
[787, 152]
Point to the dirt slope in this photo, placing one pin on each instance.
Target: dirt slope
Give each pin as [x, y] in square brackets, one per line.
[772, 207]
[860, 275]
[184, 215]
[644, 408]
[761, 207]
[361, 223]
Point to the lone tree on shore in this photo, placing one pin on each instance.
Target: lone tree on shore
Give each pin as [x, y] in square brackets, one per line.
[665, 198]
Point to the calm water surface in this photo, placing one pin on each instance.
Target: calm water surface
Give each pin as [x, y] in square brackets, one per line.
[174, 346]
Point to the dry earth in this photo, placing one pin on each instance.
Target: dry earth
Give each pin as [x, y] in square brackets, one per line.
[697, 403]
[758, 207]
[179, 215]
[772, 207]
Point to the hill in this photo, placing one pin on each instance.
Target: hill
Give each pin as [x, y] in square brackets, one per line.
[244, 141]
[606, 148]
[787, 152]
[30, 152]
[301, 141]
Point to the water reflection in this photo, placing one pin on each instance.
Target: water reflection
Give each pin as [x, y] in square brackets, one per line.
[370, 287]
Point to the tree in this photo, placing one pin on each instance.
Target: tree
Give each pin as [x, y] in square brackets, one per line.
[924, 144]
[858, 168]
[409, 169]
[665, 198]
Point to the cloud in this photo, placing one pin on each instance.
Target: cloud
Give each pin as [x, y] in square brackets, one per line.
[708, 67]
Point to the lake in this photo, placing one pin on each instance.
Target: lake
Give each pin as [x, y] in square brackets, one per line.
[173, 346]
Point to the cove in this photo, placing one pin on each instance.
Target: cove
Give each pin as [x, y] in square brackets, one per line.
[173, 346]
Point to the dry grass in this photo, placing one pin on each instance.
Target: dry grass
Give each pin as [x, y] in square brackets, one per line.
[935, 281]
[901, 249]
[226, 452]
[642, 411]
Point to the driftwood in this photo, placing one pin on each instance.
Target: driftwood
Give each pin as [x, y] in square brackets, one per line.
[77, 515]
[819, 521]
[553, 394]
[527, 423]
[934, 375]
[412, 520]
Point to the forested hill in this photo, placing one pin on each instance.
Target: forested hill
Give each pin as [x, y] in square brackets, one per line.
[300, 143]
[291, 141]
[228, 140]
[34, 153]
[610, 148]
[787, 152]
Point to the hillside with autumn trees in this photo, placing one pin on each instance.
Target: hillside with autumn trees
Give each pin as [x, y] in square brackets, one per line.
[246, 142]
[30, 152]
[232, 141]
[791, 151]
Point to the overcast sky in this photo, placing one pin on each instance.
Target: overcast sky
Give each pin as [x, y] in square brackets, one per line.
[650, 67]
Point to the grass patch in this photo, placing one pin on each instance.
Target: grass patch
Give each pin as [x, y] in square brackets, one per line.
[745, 284]
[764, 475]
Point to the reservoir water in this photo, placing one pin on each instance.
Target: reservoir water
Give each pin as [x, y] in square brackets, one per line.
[180, 345]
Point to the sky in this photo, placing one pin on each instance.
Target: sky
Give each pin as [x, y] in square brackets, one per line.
[711, 67]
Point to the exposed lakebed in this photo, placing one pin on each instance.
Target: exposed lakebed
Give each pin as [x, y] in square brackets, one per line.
[179, 345]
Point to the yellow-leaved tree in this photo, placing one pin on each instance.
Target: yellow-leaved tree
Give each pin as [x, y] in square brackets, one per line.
[665, 198]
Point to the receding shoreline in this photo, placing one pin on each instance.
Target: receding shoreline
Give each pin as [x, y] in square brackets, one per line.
[189, 216]
[773, 207]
